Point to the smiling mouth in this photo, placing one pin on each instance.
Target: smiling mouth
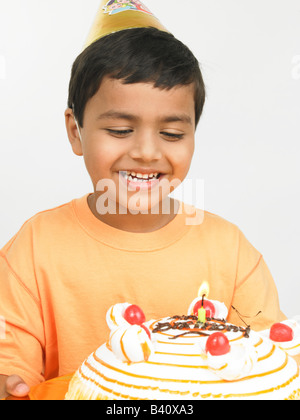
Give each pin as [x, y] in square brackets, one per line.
[139, 177]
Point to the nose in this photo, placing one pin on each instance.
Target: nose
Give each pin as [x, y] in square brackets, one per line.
[146, 147]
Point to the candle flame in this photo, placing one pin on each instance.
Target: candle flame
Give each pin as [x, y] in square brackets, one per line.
[203, 289]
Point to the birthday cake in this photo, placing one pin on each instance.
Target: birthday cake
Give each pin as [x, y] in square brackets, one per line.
[196, 356]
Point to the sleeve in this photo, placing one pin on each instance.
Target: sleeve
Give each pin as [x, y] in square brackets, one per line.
[22, 333]
[255, 300]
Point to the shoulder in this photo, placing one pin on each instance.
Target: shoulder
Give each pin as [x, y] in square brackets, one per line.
[204, 221]
[216, 232]
[44, 221]
[231, 236]
[57, 215]
[214, 220]
[224, 241]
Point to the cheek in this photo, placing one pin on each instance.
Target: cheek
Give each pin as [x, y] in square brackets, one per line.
[99, 158]
[93, 162]
[181, 161]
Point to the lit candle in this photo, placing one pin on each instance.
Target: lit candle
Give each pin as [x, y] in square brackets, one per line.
[202, 315]
[213, 308]
[202, 312]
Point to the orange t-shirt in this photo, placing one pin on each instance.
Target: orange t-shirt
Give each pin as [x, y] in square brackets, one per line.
[64, 269]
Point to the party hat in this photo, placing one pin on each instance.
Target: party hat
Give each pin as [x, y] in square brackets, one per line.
[117, 15]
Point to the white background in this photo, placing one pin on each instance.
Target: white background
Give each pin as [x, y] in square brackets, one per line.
[248, 144]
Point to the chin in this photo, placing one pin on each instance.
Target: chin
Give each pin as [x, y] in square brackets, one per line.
[142, 206]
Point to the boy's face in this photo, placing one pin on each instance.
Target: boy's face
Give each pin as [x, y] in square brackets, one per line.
[136, 131]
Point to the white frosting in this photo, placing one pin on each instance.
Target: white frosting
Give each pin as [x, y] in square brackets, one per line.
[292, 348]
[114, 316]
[221, 309]
[236, 364]
[131, 344]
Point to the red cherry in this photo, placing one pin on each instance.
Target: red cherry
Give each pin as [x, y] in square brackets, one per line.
[281, 333]
[208, 306]
[217, 344]
[134, 315]
[147, 330]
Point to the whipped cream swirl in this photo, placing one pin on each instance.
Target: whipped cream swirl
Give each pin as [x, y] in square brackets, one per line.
[236, 364]
[131, 344]
[114, 316]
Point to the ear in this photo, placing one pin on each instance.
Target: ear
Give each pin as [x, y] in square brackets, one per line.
[72, 131]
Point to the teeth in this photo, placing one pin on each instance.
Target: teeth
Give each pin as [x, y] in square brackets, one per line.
[138, 177]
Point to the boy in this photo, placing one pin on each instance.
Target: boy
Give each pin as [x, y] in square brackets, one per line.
[135, 99]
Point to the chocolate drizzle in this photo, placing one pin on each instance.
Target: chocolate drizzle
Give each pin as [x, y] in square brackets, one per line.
[191, 324]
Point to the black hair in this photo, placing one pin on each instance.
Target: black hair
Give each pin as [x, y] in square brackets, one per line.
[134, 55]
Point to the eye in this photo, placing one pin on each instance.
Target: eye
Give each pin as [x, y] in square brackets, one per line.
[119, 133]
[172, 136]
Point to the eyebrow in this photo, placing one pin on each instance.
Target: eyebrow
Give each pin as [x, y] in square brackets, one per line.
[178, 118]
[117, 115]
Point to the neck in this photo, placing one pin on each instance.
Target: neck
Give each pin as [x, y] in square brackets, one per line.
[137, 223]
